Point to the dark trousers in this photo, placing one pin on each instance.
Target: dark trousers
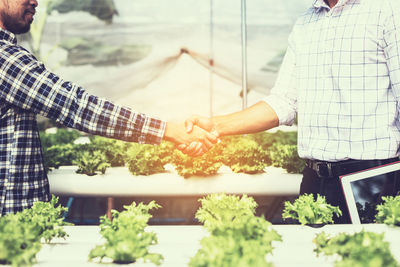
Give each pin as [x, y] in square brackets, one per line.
[331, 188]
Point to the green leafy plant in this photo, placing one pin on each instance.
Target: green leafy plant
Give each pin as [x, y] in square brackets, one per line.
[307, 210]
[58, 148]
[166, 152]
[61, 137]
[92, 163]
[238, 237]
[243, 154]
[115, 151]
[126, 238]
[59, 155]
[285, 156]
[19, 241]
[280, 150]
[220, 211]
[389, 211]
[144, 160]
[204, 165]
[21, 233]
[267, 139]
[47, 217]
[245, 246]
[362, 249]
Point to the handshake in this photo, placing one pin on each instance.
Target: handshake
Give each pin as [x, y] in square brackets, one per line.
[198, 134]
[194, 137]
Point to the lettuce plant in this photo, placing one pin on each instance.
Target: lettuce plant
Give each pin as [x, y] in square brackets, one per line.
[237, 236]
[92, 163]
[307, 210]
[285, 156]
[220, 211]
[243, 154]
[246, 245]
[19, 241]
[21, 233]
[362, 249]
[204, 165]
[144, 160]
[389, 211]
[59, 155]
[126, 238]
[61, 137]
[114, 150]
[47, 217]
[267, 139]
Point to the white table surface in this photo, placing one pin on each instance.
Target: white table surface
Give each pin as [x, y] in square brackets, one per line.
[119, 181]
[179, 243]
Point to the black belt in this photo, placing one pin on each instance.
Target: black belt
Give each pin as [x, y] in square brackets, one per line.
[338, 168]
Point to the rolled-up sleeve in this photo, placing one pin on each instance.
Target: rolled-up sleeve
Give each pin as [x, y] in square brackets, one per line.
[283, 96]
[27, 84]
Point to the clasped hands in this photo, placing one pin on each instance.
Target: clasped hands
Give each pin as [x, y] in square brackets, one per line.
[194, 137]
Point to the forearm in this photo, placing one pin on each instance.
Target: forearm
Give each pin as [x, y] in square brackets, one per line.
[259, 117]
[40, 91]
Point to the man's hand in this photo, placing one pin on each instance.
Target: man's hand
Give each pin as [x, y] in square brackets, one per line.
[258, 117]
[202, 122]
[197, 141]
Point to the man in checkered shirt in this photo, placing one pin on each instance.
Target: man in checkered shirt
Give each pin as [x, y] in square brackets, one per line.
[27, 88]
[341, 78]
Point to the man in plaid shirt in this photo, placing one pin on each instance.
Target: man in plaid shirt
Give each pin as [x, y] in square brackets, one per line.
[27, 88]
[341, 78]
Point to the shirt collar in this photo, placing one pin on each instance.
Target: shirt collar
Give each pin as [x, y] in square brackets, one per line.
[321, 3]
[8, 36]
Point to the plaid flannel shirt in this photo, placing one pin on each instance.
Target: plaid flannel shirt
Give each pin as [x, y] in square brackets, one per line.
[27, 88]
[341, 78]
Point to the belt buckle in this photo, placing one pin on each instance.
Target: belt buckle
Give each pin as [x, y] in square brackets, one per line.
[328, 169]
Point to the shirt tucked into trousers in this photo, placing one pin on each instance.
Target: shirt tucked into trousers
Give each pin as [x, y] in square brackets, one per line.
[341, 78]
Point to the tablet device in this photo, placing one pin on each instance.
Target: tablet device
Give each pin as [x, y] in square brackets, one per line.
[363, 190]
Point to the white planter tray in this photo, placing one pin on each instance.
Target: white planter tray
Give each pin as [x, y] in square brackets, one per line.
[120, 182]
[179, 243]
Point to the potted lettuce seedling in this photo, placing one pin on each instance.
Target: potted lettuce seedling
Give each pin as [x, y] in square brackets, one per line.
[309, 211]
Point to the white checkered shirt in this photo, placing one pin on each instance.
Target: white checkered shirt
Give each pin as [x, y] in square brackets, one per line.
[341, 77]
[27, 88]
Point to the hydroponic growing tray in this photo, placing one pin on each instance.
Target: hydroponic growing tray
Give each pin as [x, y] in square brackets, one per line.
[179, 243]
[119, 181]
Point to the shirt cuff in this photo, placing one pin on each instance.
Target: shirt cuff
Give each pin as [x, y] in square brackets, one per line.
[152, 131]
[285, 114]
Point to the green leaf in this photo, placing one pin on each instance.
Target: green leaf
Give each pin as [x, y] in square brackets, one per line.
[145, 159]
[306, 210]
[126, 238]
[91, 163]
[362, 249]
[389, 211]
[238, 237]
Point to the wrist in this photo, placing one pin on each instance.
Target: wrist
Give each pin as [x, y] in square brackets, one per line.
[217, 128]
[169, 134]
